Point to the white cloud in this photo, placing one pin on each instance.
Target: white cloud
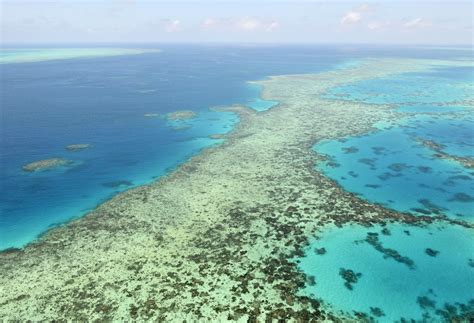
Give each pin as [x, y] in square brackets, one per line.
[210, 22]
[378, 25]
[172, 26]
[243, 24]
[355, 15]
[351, 17]
[417, 23]
[272, 26]
[248, 24]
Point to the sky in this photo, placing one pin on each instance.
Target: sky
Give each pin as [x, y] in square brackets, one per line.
[238, 21]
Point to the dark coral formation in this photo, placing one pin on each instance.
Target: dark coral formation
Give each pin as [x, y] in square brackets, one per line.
[379, 150]
[350, 150]
[471, 262]
[373, 239]
[369, 162]
[377, 312]
[425, 302]
[320, 251]
[440, 153]
[431, 252]
[429, 208]
[462, 197]
[350, 277]
[398, 167]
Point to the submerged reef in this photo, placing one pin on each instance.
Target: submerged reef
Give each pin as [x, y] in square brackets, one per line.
[77, 147]
[213, 240]
[350, 277]
[45, 164]
[467, 162]
[151, 115]
[181, 115]
[217, 136]
[373, 239]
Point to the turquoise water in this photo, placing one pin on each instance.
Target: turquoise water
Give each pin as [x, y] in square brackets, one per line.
[391, 166]
[430, 108]
[402, 272]
[257, 103]
[399, 276]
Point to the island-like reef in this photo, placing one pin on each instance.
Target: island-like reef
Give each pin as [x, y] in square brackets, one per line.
[181, 115]
[45, 164]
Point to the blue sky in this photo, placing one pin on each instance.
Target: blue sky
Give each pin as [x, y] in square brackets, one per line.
[259, 21]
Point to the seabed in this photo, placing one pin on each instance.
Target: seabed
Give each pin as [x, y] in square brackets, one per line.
[217, 239]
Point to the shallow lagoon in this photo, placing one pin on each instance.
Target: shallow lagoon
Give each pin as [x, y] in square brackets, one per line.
[435, 268]
[391, 166]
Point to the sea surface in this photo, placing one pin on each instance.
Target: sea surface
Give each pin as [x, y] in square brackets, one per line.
[118, 105]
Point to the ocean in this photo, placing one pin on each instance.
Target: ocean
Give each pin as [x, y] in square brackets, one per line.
[118, 106]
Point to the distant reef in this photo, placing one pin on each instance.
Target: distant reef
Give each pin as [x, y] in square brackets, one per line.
[77, 147]
[45, 164]
[181, 115]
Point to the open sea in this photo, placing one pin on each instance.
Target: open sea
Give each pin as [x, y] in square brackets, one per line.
[117, 105]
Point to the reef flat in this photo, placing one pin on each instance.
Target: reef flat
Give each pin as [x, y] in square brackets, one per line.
[214, 239]
[21, 55]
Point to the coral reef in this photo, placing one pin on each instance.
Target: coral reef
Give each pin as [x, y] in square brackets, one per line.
[350, 277]
[439, 153]
[45, 164]
[213, 240]
[181, 115]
